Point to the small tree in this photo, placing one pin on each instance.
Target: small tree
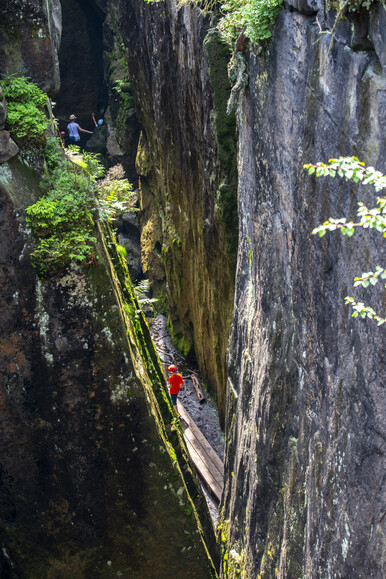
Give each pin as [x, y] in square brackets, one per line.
[354, 170]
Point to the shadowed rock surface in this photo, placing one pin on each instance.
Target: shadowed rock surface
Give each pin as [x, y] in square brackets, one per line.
[8, 148]
[92, 481]
[30, 32]
[90, 485]
[82, 90]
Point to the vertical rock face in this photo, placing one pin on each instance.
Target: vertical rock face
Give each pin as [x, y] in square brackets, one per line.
[184, 239]
[305, 423]
[8, 148]
[30, 33]
[88, 487]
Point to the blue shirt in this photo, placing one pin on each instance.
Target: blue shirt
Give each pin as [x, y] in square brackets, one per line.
[73, 131]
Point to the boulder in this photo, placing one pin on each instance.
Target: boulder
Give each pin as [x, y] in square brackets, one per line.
[130, 225]
[97, 141]
[8, 148]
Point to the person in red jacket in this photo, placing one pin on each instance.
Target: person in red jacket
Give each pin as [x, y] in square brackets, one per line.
[175, 383]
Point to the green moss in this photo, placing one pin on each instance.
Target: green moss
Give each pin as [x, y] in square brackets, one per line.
[162, 303]
[142, 161]
[353, 6]
[179, 341]
[138, 330]
[218, 58]
[249, 252]
[26, 115]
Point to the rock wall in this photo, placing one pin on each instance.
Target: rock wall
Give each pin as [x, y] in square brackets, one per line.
[305, 428]
[305, 420]
[30, 32]
[188, 194]
[82, 88]
[92, 481]
[86, 464]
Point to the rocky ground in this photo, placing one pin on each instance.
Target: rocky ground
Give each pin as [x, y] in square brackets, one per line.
[204, 415]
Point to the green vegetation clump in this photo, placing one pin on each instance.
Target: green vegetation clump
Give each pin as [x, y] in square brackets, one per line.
[253, 17]
[351, 5]
[115, 194]
[63, 219]
[26, 118]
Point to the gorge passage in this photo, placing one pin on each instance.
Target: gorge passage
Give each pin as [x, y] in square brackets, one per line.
[96, 480]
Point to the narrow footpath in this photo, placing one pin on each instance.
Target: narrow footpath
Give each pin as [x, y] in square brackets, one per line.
[199, 422]
[208, 463]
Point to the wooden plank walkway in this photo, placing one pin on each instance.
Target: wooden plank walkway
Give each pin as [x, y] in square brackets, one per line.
[207, 462]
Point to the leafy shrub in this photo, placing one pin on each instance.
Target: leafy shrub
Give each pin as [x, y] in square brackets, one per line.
[255, 17]
[62, 220]
[87, 161]
[115, 194]
[26, 120]
[351, 169]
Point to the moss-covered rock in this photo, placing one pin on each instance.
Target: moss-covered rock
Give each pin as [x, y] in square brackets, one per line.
[95, 483]
[188, 175]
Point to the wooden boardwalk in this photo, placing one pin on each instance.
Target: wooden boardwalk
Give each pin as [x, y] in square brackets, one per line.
[207, 462]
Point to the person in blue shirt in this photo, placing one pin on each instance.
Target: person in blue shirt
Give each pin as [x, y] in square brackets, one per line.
[73, 131]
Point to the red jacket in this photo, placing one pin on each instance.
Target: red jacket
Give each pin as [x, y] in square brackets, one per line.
[175, 381]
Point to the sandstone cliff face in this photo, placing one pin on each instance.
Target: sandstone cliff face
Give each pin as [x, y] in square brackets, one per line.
[188, 202]
[305, 424]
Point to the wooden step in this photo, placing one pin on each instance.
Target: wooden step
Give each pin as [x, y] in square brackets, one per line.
[206, 460]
